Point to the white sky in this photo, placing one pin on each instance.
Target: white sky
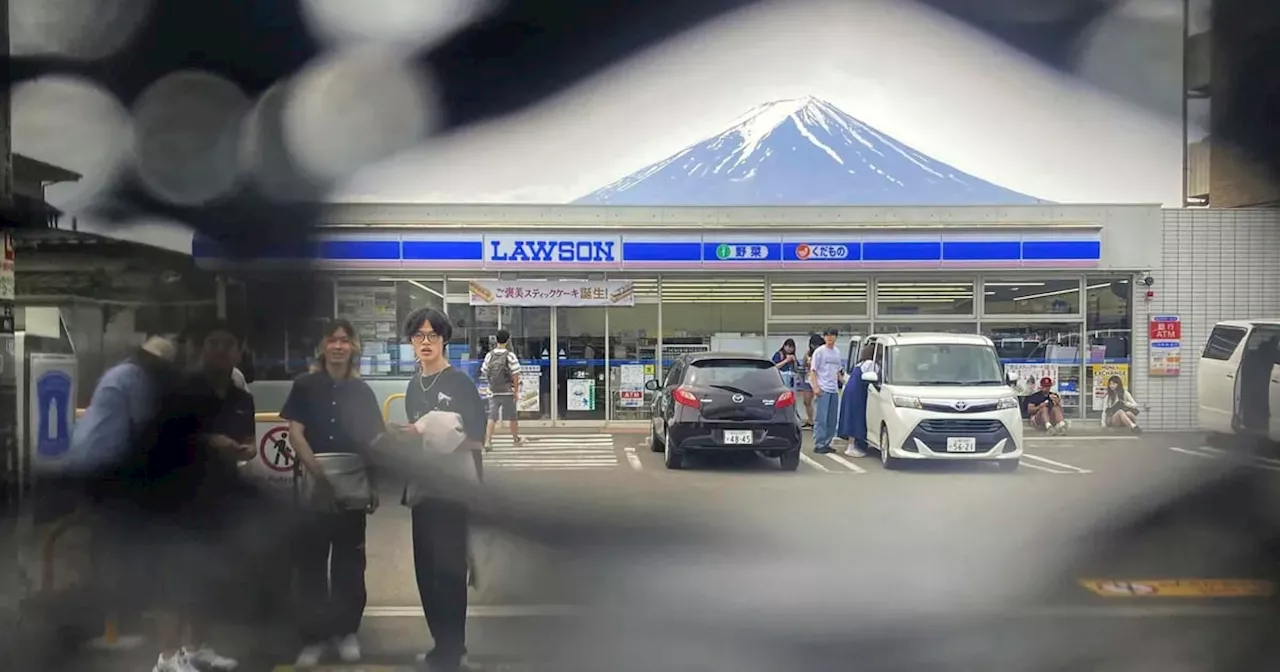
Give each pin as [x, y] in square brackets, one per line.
[926, 81]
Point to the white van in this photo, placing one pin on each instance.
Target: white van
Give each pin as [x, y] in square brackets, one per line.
[941, 397]
[1238, 390]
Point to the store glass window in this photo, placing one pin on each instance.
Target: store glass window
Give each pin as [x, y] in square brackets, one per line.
[1109, 333]
[371, 307]
[701, 313]
[633, 351]
[1043, 350]
[1031, 296]
[284, 335]
[901, 297]
[472, 327]
[803, 297]
[411, 295]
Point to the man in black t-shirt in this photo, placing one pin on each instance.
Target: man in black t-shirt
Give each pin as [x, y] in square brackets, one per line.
[440, 526]
[334, 417]
[1044, 408]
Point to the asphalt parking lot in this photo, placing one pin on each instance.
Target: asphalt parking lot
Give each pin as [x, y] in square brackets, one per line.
[1065, 488]
[839, 546]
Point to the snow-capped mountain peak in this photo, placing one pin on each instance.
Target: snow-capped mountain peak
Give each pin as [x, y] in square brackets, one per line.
[801, 151]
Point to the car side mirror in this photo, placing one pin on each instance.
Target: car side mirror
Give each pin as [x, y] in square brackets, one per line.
[870, 377]
[1012, 377]
[651, 385]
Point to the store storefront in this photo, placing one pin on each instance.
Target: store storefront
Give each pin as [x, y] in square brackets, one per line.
[594, 312]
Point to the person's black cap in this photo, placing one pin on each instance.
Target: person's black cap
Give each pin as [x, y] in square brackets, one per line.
[830, 331]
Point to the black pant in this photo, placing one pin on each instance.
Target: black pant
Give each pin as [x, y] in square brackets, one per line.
[440, 563]
[330, 560]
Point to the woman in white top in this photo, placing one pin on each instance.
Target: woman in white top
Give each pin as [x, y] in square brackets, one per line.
[1121, 408]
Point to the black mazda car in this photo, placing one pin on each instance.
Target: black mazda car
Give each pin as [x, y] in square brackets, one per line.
[716, 401]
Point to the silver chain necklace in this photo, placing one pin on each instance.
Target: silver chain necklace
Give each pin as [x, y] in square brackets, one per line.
[434, 377]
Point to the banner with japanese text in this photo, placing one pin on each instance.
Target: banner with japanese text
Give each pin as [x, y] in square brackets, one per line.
[552, 293]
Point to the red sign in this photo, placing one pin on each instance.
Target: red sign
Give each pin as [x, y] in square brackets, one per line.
[274, 449]
[1165, 328]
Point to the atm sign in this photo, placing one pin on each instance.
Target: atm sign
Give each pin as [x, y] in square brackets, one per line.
[805, 252]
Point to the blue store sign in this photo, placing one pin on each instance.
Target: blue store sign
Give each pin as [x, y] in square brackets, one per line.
[554, 250]
[969, 250]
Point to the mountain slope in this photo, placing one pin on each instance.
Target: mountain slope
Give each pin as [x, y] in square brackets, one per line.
[801, 152]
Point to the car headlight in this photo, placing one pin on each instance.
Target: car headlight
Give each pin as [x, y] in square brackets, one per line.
[907, 402]
[1007, 402]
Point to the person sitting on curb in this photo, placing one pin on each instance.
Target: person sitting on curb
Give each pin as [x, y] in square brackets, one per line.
[1044, 407]
[1122, 410]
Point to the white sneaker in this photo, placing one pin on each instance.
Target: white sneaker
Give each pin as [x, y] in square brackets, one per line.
[311, 655]
[1061, 427]
[854, 452]
[348, 648]
[207, 659]
[178, 662]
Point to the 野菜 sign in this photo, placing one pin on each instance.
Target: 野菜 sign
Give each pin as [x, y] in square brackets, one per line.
[552, 293]
[1165, 344]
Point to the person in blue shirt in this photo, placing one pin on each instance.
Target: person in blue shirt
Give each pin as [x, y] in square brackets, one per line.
[826, 376]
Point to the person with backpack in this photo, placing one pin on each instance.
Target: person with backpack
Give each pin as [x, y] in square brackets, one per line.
[501, 368]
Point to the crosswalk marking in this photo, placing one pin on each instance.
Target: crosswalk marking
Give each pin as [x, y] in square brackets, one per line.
[553, 452]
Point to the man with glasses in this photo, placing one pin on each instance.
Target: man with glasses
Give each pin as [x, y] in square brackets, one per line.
[450, 415]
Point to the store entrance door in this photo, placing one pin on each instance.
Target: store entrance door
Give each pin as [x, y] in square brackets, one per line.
[533, 342]
[563, 363]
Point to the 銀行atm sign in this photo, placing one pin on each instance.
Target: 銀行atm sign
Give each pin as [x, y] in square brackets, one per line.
[1165, 345]
[1165, 328]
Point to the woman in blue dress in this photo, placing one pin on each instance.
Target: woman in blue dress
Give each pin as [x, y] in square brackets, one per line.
[853, 405]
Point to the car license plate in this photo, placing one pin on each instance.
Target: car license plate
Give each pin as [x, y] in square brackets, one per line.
[962, 444]
[738, 437]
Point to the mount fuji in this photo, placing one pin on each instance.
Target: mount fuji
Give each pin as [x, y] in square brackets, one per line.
[801, 152]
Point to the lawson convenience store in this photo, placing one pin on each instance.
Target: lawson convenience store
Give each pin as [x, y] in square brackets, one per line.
[599, 300]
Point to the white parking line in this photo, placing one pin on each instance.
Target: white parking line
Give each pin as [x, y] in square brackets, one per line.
[633, 459]
[813, 463]
[1032, 465]
[845, 463]
[1211, 453]
[1072, 469]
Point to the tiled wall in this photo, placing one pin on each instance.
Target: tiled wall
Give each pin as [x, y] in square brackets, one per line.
[1218, 264]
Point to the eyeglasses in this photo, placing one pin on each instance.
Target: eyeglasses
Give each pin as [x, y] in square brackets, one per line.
[427, 336]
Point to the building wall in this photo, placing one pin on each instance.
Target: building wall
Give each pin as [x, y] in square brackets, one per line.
[1219, 264]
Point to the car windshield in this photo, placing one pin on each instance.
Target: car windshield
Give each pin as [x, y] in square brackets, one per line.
[944, 364]
[744, 376]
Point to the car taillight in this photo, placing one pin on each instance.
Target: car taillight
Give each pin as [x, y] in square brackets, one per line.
[785, 400]
[686, 398]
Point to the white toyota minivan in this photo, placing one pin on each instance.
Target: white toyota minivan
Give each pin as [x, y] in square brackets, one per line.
[941, 397]
[1238, 389]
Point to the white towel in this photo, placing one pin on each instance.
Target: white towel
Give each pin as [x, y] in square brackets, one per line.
[442, 436]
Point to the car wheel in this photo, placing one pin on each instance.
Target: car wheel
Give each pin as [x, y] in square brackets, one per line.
[673, 457]
[1009, 466]
[654, 444]
[890, 463]
[790, 460]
